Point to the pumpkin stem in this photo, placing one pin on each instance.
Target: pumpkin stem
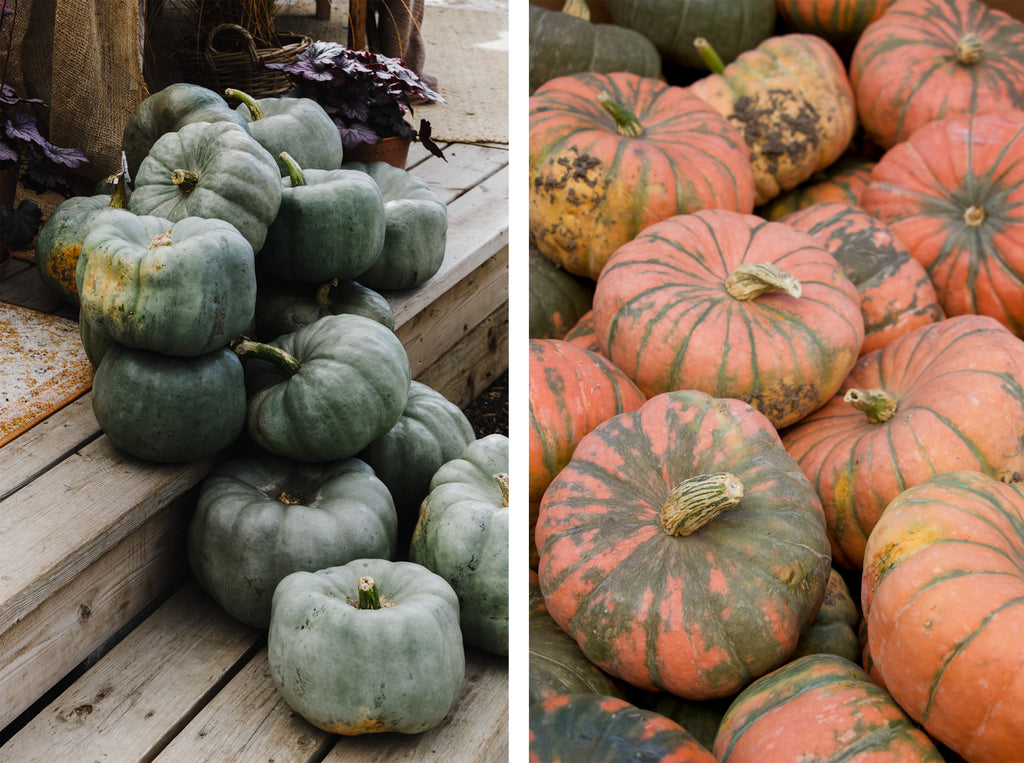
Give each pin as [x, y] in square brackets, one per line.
[119, 198]
[969, 49]
[577, 8]
[294, 170]
[289, 499]
[244, 347]
[709, 55]
[752, 279]
[974, 215]
[369, 597]
[186, 180]
[323, 294]
[696, 501]
[255, 111]
[877, 404]
[502, 480]
[626, 123]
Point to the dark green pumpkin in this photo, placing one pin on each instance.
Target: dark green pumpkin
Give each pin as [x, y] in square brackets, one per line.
[561, 43]
[834, 630]
[672, 25]
[180, 289]
[417, 229]
[558, 299]
[431, 432]
[210, 169]
[331, 224]
[169, 110]
[165, 409]
[282, 308]
[299, 126]
[259, 518]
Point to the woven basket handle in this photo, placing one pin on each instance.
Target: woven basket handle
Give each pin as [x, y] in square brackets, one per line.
[250, 44]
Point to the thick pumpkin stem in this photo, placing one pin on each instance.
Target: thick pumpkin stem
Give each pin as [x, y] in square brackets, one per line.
[502, 479]
[709, 55]
[696, 501]
[974, 215]
[877, 404]
[323, 294]
[752, 279]
[626, 123]
[244, 347]
[255, 111]
[577, 8]
[294, 170]
[186, 180]
[969, 49]
[369, 597]
[119, 198]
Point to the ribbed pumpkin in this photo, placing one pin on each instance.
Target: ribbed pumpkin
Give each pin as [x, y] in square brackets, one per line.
[954, 194]
[944, 397]
[734, 306]
[582, 334]
[819, 708]
[929, 59]
[597, 728]
[834, 630]
[791, 99]
[611, 154]
[842, 182]
[840, 22]
[896, 295]
[654, 586]
[943, 592]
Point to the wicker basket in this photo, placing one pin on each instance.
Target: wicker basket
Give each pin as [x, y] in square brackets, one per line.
[231, 57]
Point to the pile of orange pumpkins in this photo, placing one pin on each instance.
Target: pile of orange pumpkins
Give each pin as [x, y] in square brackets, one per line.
[777, 391]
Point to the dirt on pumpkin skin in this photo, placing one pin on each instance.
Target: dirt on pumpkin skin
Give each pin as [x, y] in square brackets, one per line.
[778, 125]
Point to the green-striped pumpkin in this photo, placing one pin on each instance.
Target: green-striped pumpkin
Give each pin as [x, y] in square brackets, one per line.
[841, 22]
[843, 182]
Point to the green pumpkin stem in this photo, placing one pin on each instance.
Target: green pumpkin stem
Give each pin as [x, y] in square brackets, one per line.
[974, 215]
[752, 279]
[323, 294]
[369, 597]
[969, 49]
[119, 198]
[709, 55]
[186, 180]
[294, 170]
[502, 479]
[244, 347]
[877, 404]
[255, 111]
[696, 501]
[626, 123]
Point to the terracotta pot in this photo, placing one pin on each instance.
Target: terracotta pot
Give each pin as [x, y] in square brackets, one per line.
[394, 151]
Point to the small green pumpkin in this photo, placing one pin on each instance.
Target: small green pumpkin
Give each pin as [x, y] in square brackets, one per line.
[181, 289]
[462, 535]
[417, 229]
[259, 518]
[331, 224]
[299, 126]
[326, 391]
[282, 308]
[165, 409]
[369, 646]
[210, 169]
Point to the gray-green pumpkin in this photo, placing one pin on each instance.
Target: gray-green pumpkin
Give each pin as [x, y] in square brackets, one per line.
[282, 308]
[214, 170]
[462, 535]
[350, 667]
[417, 229]
[260, 517]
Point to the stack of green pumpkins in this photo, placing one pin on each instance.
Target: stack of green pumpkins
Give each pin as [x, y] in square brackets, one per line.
[232, 299]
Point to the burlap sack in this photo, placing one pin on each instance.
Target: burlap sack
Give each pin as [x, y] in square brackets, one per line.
[82, 58]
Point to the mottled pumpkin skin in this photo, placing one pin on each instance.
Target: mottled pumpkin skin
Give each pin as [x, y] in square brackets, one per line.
[896, 294]
[662, 315]
[583, 334]
[592, 189]
[834, 630]
[792, 101]
[959, 405]
[819, 708]
[597, 728]
[843, 182]
[942, 596]
[840, 22]
[905, 70]
[954, 194]
[698, 615]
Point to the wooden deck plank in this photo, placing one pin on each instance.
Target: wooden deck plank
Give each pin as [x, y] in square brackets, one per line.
[145, 689]
[468, 165]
